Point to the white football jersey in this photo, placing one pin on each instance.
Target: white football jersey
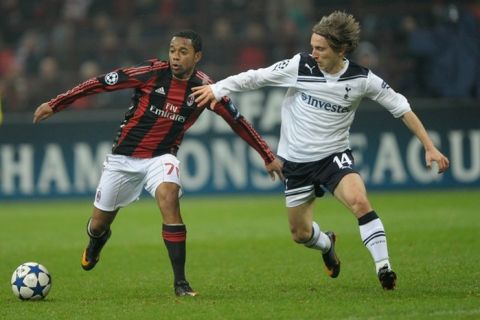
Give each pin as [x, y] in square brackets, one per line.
[318, 108]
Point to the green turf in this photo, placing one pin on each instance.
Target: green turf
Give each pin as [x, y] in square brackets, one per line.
[243, 263]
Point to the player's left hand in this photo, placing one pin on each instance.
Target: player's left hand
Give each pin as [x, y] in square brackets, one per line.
[436, 156]
[275, 167]
[204, 95]
[43, 112]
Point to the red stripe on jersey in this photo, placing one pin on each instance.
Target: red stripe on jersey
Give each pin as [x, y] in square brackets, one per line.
[160, 64]
[202, 76]
[141, 109]
[134, 71]
[60, 102]
[174, 236]
[93, 86]
[171, 108]
[190, 121]
[144, 100]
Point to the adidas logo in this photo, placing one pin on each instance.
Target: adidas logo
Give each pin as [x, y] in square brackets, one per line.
[160, 90]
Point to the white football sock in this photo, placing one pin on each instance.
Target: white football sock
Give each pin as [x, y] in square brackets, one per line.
[319, 239]
[373, 237]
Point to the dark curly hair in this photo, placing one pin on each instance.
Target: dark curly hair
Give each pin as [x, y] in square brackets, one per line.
[192, 35]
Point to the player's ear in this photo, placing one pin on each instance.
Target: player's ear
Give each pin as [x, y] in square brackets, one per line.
[343, 50]
[198, 56]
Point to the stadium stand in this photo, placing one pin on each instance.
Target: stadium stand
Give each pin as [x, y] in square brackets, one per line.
[424, 48]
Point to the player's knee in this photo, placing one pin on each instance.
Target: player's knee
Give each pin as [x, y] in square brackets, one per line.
[167, 192]
[360, 203]
[168, 203]
[97, 227]
[100, 221]
[168, 197]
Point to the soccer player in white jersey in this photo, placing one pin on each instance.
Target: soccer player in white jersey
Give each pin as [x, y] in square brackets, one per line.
[324, 91]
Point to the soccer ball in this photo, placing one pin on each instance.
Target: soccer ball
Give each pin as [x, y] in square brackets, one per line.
[31, 281]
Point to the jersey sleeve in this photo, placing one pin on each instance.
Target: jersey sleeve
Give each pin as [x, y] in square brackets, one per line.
[227, 110]
[281, 74]
[123, 78]
[378, 90]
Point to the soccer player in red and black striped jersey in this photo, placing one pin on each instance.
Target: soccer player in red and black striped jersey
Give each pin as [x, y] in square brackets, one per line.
[144, 152]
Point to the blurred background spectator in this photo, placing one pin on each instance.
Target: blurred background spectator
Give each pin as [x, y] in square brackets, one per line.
[422, 48]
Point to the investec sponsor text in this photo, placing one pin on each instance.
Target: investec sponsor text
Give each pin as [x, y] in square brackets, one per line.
[214, 160]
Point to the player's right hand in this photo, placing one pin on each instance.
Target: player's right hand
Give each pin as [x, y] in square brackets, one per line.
[275, 167]
[43, 112]
[434, 155]
[203, 95]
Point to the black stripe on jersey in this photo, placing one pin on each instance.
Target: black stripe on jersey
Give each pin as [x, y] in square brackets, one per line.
[147, 120]
[354, 71]
[311, 79]
[308, 66]
[134, 136]
[176, 128]
[188, 110]
[128, 115]
[352, 77]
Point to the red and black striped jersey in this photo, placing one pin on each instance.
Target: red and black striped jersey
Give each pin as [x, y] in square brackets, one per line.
[162, 109]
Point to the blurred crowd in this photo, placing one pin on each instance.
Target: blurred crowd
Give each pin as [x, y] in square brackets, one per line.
[421, 48]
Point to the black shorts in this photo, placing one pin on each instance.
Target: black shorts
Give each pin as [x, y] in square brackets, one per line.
[304, 181]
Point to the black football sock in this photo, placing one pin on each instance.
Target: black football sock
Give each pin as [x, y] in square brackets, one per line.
[95, 234]
[175, 237]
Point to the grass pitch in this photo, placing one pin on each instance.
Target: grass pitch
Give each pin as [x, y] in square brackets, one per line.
[242, 261]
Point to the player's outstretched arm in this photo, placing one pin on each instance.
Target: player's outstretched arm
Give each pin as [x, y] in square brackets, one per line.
[204, 95]
[43, 112]
[431, 152]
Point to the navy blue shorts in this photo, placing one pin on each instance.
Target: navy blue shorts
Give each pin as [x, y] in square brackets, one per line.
[307, 180]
